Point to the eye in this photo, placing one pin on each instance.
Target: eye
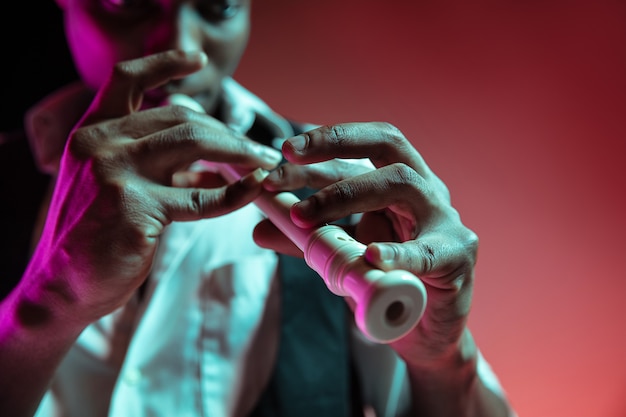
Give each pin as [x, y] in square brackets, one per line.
[218, 9]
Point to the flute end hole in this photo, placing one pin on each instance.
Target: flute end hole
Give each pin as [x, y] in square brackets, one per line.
[395, 313]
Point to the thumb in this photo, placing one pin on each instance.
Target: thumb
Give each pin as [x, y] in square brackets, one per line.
[434, 257]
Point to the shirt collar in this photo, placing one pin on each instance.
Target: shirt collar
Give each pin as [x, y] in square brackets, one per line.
[50, 121]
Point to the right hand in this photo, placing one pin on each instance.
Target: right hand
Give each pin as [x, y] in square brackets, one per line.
[115, 191]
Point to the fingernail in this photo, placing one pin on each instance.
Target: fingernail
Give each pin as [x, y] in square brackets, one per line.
[386, 253]
[298, 143]
[306, 207]
[255, 177]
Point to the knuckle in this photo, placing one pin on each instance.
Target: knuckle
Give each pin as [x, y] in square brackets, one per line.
[123, 71]
[189, 133]
[391, 133]
[196, 202]
[218, 201]
[80, 143]
[428, 258]
[466, 253]
[390, 130]
[185, 136]
[181, 114]
[392, 140]
[332, 134]
[470, 243]
[89, 144]
[337, 134]
[405, 176]
[336, 194]
[342, 192]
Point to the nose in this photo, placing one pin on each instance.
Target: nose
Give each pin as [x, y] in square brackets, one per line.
[178, 29]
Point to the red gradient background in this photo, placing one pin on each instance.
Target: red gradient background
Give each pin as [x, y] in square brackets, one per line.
[520, 107]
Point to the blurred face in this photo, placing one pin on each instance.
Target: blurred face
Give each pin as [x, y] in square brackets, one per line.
[103, 32]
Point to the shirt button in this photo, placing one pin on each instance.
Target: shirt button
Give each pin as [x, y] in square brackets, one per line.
[132, 376]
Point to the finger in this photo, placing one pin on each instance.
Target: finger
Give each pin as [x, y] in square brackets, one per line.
[382, 143]
[123, 92]
[439, 259]
[174, 148]
[165, 130]
[269, 236]
[184, 204]
[269, 156]
[200, 179]
[394, 185]
[317, 175]
[143, 123]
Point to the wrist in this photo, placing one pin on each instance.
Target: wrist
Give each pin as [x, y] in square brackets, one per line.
[459, 357]
[36, 332]
[44, 300]
[33, 326]
[445, 385]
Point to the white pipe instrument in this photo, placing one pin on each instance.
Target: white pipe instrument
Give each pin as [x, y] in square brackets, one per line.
[389, 304]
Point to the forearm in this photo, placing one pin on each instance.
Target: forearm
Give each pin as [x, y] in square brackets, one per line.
[34, 337]
[455, 388]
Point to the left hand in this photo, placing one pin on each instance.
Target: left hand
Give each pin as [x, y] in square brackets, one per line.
[408, 222]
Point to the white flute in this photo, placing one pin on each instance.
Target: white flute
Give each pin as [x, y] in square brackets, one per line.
[388, 303]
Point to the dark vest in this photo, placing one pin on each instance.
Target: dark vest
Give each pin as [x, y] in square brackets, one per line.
[313, 375]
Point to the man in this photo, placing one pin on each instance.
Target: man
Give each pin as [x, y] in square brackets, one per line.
[145, 293]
